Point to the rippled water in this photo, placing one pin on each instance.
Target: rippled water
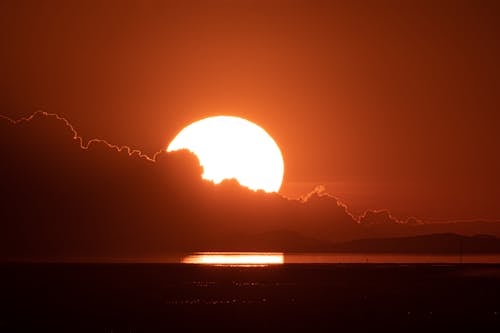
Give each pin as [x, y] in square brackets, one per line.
[174, 297]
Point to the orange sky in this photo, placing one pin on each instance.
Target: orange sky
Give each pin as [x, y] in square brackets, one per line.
[391, 105]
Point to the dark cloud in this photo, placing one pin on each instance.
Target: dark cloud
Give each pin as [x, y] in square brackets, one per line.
[63, 197]
[377, 217]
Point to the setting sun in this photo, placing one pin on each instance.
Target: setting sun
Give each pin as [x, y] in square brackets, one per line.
[232, 147]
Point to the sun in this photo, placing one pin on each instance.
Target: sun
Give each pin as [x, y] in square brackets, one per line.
[232, 147]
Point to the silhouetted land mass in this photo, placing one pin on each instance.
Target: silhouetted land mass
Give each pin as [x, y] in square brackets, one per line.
[305, 298]
[429, 244]
[445, 243]
[63, 197]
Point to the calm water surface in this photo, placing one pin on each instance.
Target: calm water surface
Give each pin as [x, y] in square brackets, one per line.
[275, 258]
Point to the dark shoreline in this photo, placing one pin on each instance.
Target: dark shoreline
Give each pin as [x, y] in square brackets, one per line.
[293, 297]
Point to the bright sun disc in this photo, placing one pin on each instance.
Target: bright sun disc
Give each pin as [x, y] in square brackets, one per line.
[232, 147]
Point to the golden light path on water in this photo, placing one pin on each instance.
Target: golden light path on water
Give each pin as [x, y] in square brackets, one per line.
[234, 258]
[276, 258]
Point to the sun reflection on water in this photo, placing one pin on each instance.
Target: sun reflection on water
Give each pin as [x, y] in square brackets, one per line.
[234, 258]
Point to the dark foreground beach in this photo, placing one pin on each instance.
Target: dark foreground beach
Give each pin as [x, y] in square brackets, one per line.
[281, 298]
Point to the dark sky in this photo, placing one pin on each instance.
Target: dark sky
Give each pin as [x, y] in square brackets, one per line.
[391, 104]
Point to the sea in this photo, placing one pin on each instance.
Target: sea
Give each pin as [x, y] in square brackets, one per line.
[253, 292]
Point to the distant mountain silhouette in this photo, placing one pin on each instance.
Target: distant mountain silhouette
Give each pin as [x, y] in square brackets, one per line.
[430, 244]
[289, 241]
[274, 241]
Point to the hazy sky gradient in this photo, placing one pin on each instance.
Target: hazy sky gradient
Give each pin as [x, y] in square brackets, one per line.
[391, 104]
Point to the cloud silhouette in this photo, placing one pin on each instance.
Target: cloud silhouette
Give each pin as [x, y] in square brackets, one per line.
[66, 198]
[377, 217]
